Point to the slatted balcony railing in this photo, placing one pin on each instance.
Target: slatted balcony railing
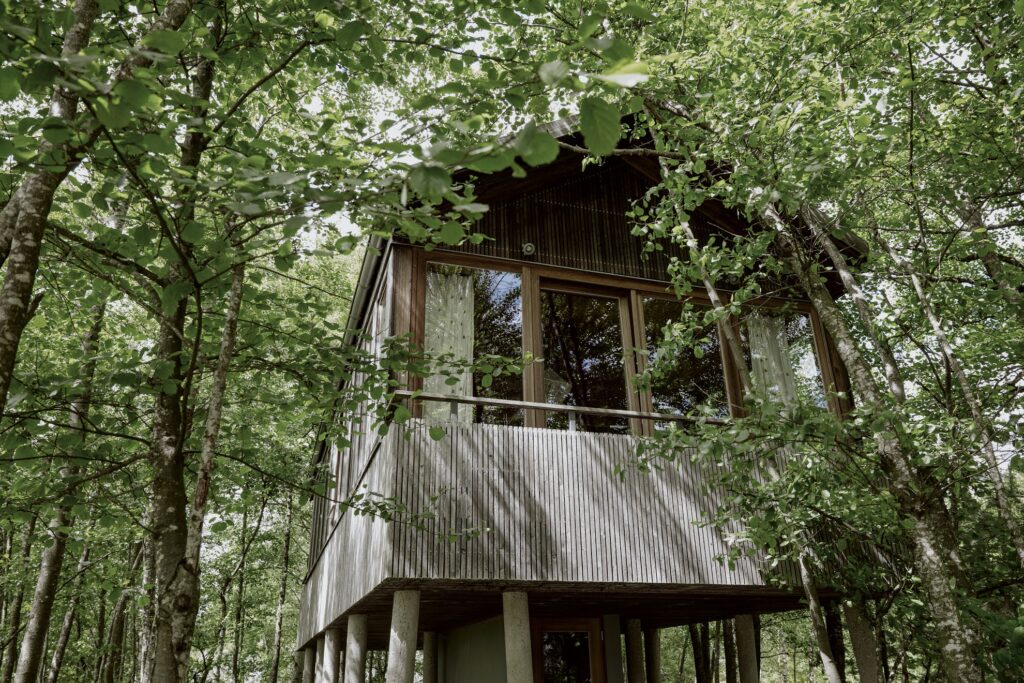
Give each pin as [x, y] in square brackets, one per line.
[520, 504]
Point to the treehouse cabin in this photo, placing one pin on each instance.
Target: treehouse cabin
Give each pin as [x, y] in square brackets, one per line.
[520, 543]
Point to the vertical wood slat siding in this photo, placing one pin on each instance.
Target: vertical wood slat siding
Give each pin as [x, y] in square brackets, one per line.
[579, 222]
[555, 509]
[357, 556]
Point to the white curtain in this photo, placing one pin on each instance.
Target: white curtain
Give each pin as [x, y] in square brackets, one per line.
[771, 369]
[449, 332]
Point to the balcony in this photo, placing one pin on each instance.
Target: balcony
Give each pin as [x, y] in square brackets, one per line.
[521, 504]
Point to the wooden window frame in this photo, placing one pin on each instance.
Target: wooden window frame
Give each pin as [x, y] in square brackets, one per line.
[595, 635]
[410, 306]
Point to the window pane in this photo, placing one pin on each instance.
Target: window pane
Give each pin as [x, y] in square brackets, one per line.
[783, 358]
[471, 313]
[683, 377]
[566, 657]
[583, 358]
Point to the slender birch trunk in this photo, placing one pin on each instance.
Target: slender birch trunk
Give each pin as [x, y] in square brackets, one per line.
[32, 650]
[14, 628]
[61, 646]
[236, 632]
[980, 423]
[112, 661]
[936, 550]
[818, 625]
[23, 219]
[282, 594]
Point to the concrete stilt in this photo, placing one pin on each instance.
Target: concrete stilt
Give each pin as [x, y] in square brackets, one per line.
[405, 617]
[518, 654]
[612, 648]
[746, 649]
[355, 649]
[635, 672]
[309, 665]
[865, 646]
[429, 657]
[332, 656]
[318, 663]
[652, 654]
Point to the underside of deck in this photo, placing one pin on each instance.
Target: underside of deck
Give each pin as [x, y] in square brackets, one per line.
[447, 605]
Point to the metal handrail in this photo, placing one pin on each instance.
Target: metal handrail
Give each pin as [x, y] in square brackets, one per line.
[552, 407]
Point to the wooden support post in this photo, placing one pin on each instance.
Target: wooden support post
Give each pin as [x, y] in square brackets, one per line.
[746, 649]
[652, 654]
[518, 653]
[429, 657]
[865, 646]
[309, 665]
[635, 652]
[405, 617]
[332, 656]
[612, 648]
[834, 628]
[355, 649]
[318, 663]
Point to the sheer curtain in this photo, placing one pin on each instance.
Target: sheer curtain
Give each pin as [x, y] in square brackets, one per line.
[770, 367]
[449, 332]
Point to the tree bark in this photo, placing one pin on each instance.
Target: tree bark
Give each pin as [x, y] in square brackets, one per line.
[23, 219]
[819, 628]
[112, 661]
[282, 594]
[919, 497]
[60, 647]
[239, 601]
[51, 563]
[10, 657]
[980, 423]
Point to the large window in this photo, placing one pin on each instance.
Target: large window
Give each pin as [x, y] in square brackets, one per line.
[684, 359]
[584, 360]
[471, 313]
[591, 337]
[783, 360]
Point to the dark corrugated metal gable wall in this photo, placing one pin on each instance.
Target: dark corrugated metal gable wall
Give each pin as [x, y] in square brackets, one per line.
[579, 222]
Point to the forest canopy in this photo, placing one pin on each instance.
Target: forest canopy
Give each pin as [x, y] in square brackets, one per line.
[187, 188]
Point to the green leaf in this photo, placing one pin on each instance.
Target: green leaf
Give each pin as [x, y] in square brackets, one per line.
[135, 93]
[436, 433]
[429, 182]
[113, 114]
[626, 75]
[192, 232]
[10, 85]
[590, 24]
[599, 122]
[402, 414]
[451, 233]
[536, 147]
[553, 72]
[486, 381]
[169, 42]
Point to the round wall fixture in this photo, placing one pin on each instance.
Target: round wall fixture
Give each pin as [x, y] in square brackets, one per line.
[529, 249]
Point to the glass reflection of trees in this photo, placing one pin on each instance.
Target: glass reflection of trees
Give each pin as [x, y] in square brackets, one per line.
[566, 657]
[497, 331]
[685, 362]
[583, 358]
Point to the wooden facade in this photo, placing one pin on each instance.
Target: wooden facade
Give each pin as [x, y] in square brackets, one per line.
[564, 516]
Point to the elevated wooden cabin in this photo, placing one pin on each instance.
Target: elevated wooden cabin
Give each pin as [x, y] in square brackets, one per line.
[533, 557]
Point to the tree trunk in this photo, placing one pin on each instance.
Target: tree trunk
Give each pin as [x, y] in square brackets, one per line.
[980, 423]
[818, 626]
[23, 219]
[60, 647]
[112, 664]
[918, 496]
[282, 594]
[51, 563]
[834, 626]
[10, 657]
[239, 601]
[146, 617]
[700, 643]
